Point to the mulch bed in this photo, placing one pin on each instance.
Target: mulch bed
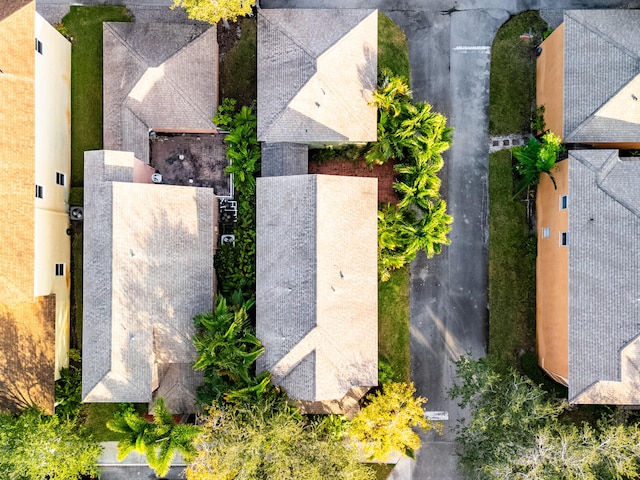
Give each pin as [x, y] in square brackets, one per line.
[385, 174]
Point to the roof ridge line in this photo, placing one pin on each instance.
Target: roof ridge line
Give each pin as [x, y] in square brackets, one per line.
[601, 177]
[195, 107]
[605, 37]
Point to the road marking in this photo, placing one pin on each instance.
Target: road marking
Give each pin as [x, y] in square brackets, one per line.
[436, 416]
[472, 48]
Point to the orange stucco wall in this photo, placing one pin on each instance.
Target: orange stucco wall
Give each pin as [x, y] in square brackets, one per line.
[552, 275]
[550, 78]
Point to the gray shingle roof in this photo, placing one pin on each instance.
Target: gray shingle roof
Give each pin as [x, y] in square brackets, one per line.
[148, 270]
[284, 159]
[604, 278]
[157, 76]
[316, 72]
[317, 283]
[602, 55]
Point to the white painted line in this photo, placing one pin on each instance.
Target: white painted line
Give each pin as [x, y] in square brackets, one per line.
[472, 48]
[437, 416]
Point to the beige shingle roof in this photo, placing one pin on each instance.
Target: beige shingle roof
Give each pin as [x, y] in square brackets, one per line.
[157, 76]
[148, 270]
[316, 72]
[316, 292]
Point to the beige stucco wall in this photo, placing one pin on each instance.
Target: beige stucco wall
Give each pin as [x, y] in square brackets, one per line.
[552, 275]
[53, 154]
[550, 78]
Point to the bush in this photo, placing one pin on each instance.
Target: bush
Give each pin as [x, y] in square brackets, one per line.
[68, 388]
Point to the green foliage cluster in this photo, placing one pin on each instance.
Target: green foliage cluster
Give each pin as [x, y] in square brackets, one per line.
[34, 446]
[270, 439]
[214, 12]
[415, 137]
[226, 352]
[68, 388]
[535, 158]
[236, 264]
[159, 440]
[387, 423]
[515, 431]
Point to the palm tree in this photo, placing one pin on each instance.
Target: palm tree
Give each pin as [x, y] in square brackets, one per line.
[158, 441]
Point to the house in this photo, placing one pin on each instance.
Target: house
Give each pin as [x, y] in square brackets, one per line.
[316, 235]
[317, 70]
[148, 270]
[35, 69]
[588, 316]
[148, 247]
[589, 78]
[317, 287]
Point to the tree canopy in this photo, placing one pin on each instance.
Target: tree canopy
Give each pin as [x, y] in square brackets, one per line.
[386, 424]
[516, 431]
[34, 446]
[214, 11]
[269, 439]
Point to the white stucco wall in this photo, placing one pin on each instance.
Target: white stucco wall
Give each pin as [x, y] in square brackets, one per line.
[53, 154]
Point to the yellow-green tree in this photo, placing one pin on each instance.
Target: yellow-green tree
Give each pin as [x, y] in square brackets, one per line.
[214, 11]
[386, 424]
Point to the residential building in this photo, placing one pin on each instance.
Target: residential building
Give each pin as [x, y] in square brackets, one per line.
[35, 71]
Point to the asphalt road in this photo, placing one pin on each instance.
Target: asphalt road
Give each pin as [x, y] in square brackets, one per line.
[449, 47]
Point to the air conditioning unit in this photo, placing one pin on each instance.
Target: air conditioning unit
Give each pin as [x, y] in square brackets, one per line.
[156, 178]
[228, 239]
[76, 213]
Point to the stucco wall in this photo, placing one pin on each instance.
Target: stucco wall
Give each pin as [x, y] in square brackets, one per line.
[552, 275]
[53, 154]
[550, 78]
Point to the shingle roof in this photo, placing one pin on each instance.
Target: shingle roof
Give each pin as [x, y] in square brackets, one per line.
[602, 56]
[284, 159]
[316, 72]
[316, 292]
[17, 151]
[604, 278]
[148, 270]
[157, 76]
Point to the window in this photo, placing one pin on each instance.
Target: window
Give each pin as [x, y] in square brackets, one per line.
[59, 269]
[60, 178]
[38, 46]
[564, 201]
[546, 232]
[39, 191]
[563, 238]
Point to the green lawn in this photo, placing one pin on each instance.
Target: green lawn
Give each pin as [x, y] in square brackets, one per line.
[393, 323]
[513, 74]
[511, 267]
[238, 70]
[84, 25]
[393, 49]
[382, 470]
[97, 415]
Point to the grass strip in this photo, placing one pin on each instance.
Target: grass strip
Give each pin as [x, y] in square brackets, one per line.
[513, 74]
[393, 323]
[511, 267]
[84, 27]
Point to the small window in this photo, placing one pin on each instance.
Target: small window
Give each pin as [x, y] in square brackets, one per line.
[563, 238]
[546, 232]
[564, 202]
[59, 269]
[38, 46]
[39, 191]
[60, 178]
